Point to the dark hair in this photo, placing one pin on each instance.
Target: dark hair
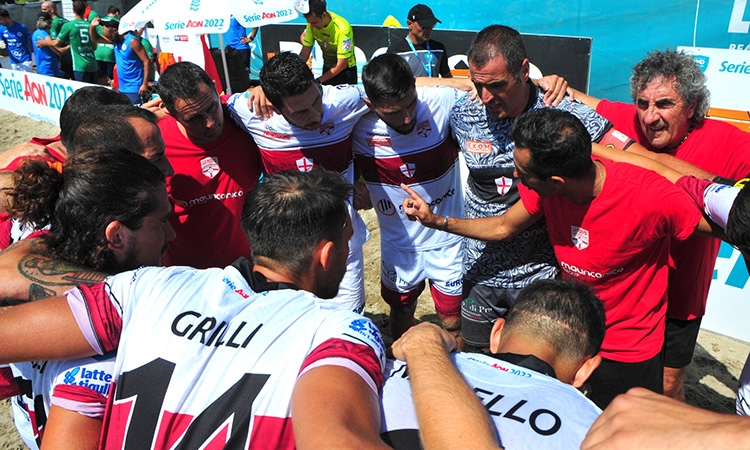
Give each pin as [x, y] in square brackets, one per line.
[110, 128]
[83, 103]
[43, 21]
[564, 314]
[679, 67]
[498, 40]
[113, 10]
[317, 7]
[737, 231]
[79, 7]
[387, 76]
[182, 80]
[285, 75]
[94, 189]
[289, 213]
[4, 12]
[557, 141]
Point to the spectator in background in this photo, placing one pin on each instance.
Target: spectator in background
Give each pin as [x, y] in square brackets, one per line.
[132, 62]
[76, 33]
[237, 40]
[17, 40]
[426, 57]
[105, 53]
[66, 60]
[335, 37]
[47, 57]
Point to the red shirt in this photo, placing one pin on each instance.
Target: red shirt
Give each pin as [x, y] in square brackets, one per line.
[619, 245]
[717, 147]
[207, 192]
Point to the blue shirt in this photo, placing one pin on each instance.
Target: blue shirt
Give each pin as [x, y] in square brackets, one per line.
[17, 39]
[47, 62]
[129, 66]
[234, 35]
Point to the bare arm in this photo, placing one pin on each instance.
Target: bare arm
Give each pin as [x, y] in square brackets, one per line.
[591, 102]
[305, 53]
[644, 420]
[96, 37]
[555, 87]
[672, 162]
[496, 228]
[41, 330]
[69, 430]
[137, 48]
[334, 408]
[435, 383]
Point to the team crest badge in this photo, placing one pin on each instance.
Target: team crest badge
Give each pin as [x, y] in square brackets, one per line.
[304, 164]
[385, 207]
[580, 237]
[326, 129]
[408, 170]
[210, 166]
[424, 129]
[503, 185]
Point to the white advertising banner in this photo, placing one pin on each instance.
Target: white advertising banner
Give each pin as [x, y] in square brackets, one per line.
[36, 96]
[727, 73]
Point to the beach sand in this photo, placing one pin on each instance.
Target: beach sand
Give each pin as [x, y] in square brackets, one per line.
[711, 380]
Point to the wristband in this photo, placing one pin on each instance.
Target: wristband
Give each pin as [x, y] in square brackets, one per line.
[444, 226]
[723, 180]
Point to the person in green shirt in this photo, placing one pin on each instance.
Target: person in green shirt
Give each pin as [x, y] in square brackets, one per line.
[76, 33]
[335, 37]
[66, 60]
[105, 53]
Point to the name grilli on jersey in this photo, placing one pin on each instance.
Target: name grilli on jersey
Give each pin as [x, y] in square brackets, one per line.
[529, 410]
[207, 361]
[425, 159]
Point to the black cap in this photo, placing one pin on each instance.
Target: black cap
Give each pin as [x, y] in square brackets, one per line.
[422, 14]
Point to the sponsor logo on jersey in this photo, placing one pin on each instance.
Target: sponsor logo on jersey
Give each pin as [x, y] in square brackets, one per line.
[96, 380]
[326, 129]
[580, 237]
[274, 135]
[346, 44]
[424, 129]
[478, 147]
[365, 328]
[503, 185]
[379, 142]
[205, 198]
[210, 166]
[577, 271]
[385, 207]
[408, 169]
[304, 164]
[454, 283]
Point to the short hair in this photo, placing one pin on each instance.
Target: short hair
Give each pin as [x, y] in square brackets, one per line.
[285, 75]
[679, 67]
[79, 7]
[43, 21]
[498, 40]
[113, 10]
[182, 80]
[94, 189]
[288, 214]
[566, 315]
[737, 230]
[4, 13]
[110, 128]
[50, 4]
[558, 142]
[83, 103]
[317, 8]
[387, 76]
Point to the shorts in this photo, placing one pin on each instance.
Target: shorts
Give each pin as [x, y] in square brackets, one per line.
[135, 98]
[679, 341]
[23, 67]
[346, 76]
[481, 306]
[351, 295]
[86, 77]
[613, 378]
[106, 69]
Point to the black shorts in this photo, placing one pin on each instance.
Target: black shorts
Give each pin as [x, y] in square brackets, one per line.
[347, 76]
[613, 378]
[106, 69]
[480, 307]
[679, 342]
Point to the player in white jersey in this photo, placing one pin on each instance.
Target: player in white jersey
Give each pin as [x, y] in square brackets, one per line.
[406, 139]
[545, 348]
[230, 358]
[313, 128]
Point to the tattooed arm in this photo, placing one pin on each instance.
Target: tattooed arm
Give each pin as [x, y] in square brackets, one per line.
[28, 274]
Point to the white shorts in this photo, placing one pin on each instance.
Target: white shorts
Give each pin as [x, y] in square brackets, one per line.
[24, 66]
[403, 271]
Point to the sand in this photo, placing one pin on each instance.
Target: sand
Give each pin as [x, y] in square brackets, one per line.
[711, 380]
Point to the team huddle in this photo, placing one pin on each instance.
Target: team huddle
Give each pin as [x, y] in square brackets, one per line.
[193, 277]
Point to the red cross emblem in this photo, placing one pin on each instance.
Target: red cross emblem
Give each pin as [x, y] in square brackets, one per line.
[503, 185]
[408, 170]
[304, 164]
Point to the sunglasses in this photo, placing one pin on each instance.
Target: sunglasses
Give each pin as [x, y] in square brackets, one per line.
[110, 24]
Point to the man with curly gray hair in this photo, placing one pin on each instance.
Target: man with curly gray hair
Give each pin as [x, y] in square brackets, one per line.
[669, 118]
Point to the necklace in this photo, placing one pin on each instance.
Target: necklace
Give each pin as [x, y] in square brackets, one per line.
[690, 130]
